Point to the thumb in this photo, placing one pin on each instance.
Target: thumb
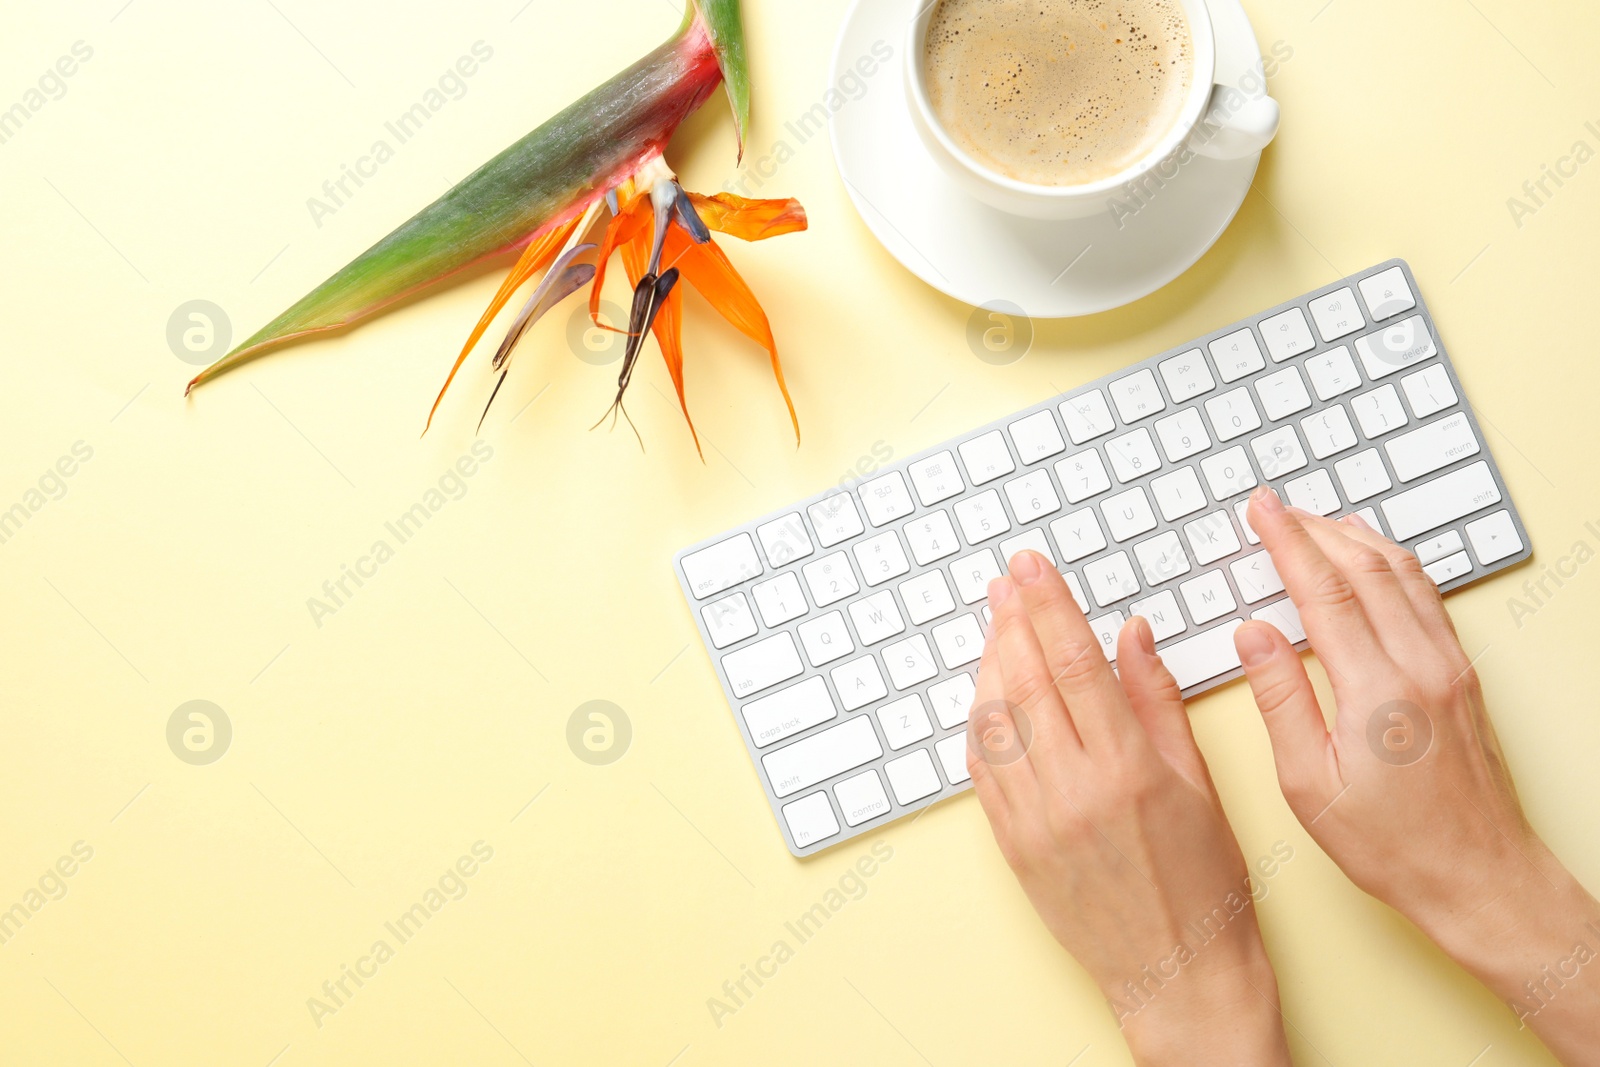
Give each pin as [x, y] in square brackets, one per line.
[1307, 770]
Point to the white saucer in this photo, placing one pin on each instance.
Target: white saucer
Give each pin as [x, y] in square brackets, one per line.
[979, 255]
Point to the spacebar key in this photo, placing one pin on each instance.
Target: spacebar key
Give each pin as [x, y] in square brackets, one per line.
[1446, 499]
[1207, 655]
[821, 756]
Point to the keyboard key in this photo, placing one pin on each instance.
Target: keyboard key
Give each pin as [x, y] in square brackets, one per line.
[1078, 535]
[1201, 658]
[1036, 437]
[1433, 447]
[1082, 476]
[1283, 393]
[1211, 538]
[931, 538]
[1178, 494]
[909, 662]
[1237, 355]
[973, 574]
[1187, 375]
[960, 641]
[1494, 538]
[1208, 597]
[1087, 416]
[953, 757]
[1128, 514]
[952, 700]
[986, 458]
[861, 798]
[1379, 411]
[784, 539]
[830, 579]
[761, 665]
[1443, 500]
[780, 599]
[1396, 347]
[1387, 293]
[1161, 611]
[1228, 473]
[1363, 476]
[835, 519]
[1255, 577]
[1183, 434]
[1161, 558]
[1313, 493]
[722, 566]
[1337, 315]
[1278, 453]
[982, 517]
[1032, 495]
[1287, 335]
[905, 721]
[1137, 396]
[1110, 579]
[1106, 628]
[912, 777]
[877, 618]
[886, 498]
[858, 683]
[729, 620]
[1333, 373]
[810, 820]
[1233, 414]
[788, 712]
[1285, 616]
[821, 756]
[1449, 568]
[1429, 391]
[1328, 432]
[935, 478]
[1446, 544]
[825, 638]
[1033, 539]
[927, 596]
[1133, 455]
[881, 558]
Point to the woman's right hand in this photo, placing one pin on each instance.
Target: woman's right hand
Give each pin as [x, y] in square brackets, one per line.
[1409, 792]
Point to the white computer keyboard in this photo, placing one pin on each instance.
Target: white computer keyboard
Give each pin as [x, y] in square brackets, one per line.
[846, 630]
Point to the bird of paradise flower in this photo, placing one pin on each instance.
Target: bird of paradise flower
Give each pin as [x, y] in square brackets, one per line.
[545, 195]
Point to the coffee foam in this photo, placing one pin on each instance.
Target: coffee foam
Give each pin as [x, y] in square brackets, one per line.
[1058, 92]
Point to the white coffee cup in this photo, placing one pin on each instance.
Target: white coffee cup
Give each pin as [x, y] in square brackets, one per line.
[1215, 121]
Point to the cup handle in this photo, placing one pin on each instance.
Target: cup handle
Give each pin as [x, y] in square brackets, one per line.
[1235, 125]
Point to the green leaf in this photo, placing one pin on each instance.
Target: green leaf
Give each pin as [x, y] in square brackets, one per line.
[724, 21]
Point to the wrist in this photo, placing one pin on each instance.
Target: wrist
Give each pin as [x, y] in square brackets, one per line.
[1194, 1012]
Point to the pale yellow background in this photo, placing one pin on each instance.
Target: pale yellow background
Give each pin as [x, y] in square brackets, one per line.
[371, 752]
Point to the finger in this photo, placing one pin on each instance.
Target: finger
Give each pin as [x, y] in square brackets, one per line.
[1329, 608]
[1301, 749]
[1372, 576]
[1422, 590]
[1028, 682]
[1157, 701]
[993, 741]
[1094, 699]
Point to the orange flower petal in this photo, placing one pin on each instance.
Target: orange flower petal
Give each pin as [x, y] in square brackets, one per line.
[633, 214]
[708, 270]
[540, 251]
[668, 327]
[749, 220]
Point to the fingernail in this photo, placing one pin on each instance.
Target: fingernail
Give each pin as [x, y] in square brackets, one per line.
[1145, 635]
[1254, 645]
[1357, 520]
[1000, 590]
[1267, 499]
[1025, 567]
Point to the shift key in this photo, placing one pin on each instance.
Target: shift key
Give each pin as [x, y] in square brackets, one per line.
[821, 756]
[1443, 500]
